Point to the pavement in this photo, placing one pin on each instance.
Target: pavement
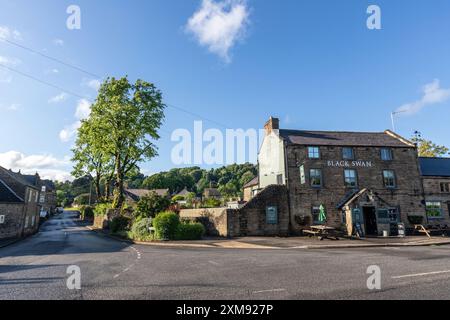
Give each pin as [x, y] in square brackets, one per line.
[36, 268]
[295, 242]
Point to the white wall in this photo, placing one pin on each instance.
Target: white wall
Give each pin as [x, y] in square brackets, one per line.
[271, 160]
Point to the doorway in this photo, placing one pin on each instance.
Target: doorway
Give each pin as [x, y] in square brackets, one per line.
[370, 221]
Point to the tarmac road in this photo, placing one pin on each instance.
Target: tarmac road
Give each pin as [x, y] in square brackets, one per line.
[36, 268]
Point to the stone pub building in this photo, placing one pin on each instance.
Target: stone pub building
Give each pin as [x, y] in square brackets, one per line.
[369, 180]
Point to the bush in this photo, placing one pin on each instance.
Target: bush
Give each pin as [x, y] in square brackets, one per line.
[81, 200]
[140, 230]
[190, 231]
[101, 209]
[87, 213]
[150, 205]
[166, 225]
[120, 223]
[211, 203]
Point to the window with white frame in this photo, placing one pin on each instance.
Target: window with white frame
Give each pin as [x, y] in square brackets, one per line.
[434, 209]
[386, 154]
[445, 187]
[351, 178]
[348, 154]
[313, 152]
[315, 178]
[389, 179]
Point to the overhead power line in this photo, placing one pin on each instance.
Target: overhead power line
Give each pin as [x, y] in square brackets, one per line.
[43, 82]
[51, 58]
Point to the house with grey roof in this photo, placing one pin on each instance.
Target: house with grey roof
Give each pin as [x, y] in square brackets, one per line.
[366, 182]
[436, 183]
[19, 205]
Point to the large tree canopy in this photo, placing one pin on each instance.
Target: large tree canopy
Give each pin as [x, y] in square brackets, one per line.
[123, 126]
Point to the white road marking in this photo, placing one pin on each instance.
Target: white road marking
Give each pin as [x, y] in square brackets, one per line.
[214, 263]
[421, 274]
[268, 291]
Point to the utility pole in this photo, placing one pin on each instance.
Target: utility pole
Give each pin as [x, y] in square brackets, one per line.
[393, 114]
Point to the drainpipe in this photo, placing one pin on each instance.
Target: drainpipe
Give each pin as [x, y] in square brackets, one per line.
[286, 169]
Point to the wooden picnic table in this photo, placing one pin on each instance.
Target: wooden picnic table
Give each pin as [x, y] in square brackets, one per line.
[322, 232]
[431, 228]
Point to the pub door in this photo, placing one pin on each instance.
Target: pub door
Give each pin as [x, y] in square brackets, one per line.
[370, 221]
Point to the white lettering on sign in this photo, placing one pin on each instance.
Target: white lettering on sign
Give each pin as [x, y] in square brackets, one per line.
[350, 164]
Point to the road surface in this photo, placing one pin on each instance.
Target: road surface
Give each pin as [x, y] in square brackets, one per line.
[36, 268]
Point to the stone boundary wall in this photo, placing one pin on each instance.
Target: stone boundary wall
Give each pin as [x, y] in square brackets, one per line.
[216, 220]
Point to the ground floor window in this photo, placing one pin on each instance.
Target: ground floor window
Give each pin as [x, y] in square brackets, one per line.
[434, 209]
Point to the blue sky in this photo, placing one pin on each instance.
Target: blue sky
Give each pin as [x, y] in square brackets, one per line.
[312, 63]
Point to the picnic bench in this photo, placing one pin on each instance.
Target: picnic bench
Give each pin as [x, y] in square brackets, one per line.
[321, 232]
[429, 229]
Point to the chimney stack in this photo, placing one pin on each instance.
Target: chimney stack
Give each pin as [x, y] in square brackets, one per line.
[271, 125]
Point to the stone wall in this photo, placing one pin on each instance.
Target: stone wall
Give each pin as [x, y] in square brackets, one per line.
[216, 220]
[102, 221]
[407, 196]
[12, 227]
[251, 220]
[432, 191]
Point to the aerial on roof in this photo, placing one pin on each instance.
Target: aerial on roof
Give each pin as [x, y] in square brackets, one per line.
[435, 167]
[336, 138]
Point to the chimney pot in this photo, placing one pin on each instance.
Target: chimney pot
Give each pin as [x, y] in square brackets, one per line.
[271, 125]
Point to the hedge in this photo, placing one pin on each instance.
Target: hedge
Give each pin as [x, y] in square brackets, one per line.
[190, 231]
[166, 225]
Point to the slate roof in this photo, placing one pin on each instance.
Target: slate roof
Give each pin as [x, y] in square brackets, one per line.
[252, 183]
[7, 195]
[351, 139]
[136, 194]
[435, 167]
[16, 182]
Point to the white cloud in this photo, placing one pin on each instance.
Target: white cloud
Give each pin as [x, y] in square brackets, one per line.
[9, 61]
[83, 109]
[218, 25]
[52, 71]
[82, 112]
[59, 98]
[8, 33]
[432, 94]
[92, 83]
[5, 75]
[13, 107]
[58, 42]
[46, 165]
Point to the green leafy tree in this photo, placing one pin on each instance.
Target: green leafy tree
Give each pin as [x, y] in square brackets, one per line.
[125, 120]
[152, 204]
[428, 148]
[89, 157]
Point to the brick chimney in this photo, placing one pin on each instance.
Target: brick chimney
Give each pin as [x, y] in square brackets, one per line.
[271, 125]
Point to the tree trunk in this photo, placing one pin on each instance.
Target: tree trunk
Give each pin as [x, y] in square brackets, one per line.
[97, 187]
[119, 189]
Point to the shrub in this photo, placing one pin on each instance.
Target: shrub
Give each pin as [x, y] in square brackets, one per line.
[101, 209]
[415, 219]
[178, 198]
[87, 213]
[120, 223]
[211, 203]
[166, 225]
[82, 199]
[150, 205]
[140, 229]
[190, 231]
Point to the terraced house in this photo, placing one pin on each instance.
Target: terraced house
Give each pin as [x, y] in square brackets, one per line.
[369, 179]
[19, 205]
